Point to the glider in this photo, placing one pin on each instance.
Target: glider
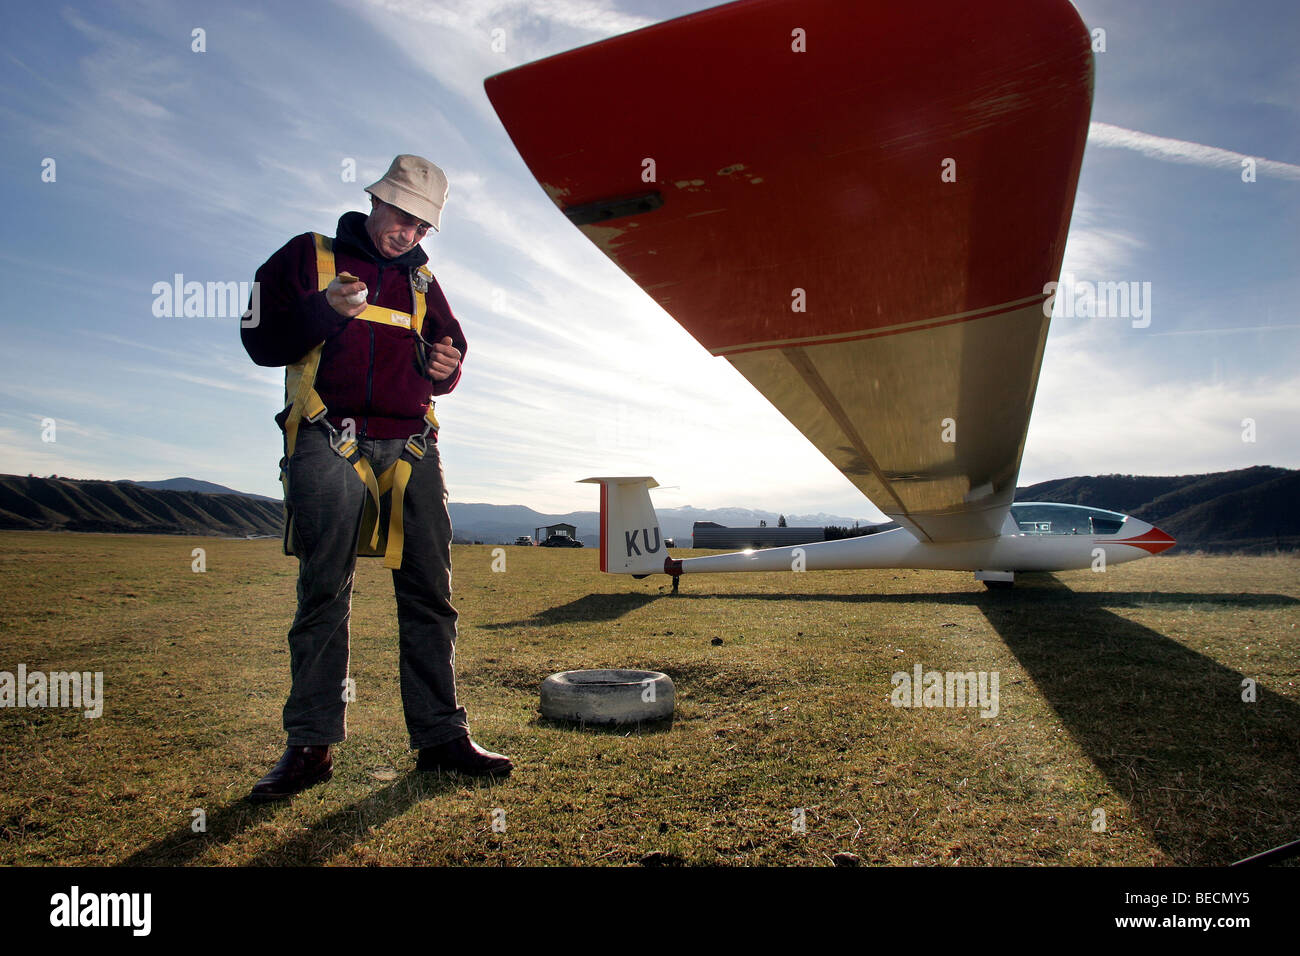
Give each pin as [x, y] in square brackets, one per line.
[863, 207]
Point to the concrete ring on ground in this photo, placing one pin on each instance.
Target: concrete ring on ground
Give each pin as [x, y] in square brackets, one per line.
[608, 696]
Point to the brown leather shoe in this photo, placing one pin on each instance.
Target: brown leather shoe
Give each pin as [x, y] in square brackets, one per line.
[298, 769]
[464, 756]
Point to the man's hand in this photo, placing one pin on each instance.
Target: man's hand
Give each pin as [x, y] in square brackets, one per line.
[443, 360]
[346, 298]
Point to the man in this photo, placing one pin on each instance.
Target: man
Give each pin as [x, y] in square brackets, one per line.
[364, 359]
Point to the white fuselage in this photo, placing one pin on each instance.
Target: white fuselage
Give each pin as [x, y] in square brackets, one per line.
[1036, 536]
[899, 549]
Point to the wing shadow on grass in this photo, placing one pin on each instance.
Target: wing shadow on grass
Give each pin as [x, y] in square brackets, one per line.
[1079, 600]
[590, 607]
[316, 844]
[1210, 777]
[609, 607]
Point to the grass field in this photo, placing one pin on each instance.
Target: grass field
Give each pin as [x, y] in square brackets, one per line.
[1119, 692]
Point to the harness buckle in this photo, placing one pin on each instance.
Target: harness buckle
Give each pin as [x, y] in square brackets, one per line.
[342, 443]
[417, 445]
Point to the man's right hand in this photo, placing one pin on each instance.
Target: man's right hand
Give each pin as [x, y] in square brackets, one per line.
[346, 298]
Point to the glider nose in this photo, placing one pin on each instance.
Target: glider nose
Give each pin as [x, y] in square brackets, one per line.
[1153, 540]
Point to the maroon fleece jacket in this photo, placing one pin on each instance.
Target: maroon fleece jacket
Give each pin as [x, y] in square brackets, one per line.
[369, 372]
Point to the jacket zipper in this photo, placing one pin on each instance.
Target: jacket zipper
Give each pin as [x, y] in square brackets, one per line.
[370, 378]
[370, 368]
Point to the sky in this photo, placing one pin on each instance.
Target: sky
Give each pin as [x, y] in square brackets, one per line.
[132, 157]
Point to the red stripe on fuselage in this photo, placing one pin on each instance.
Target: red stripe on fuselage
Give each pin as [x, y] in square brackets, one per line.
[1153, 541]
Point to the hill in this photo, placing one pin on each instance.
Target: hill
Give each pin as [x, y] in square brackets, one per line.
[194, 484]
[1250, 510]
[66, 504]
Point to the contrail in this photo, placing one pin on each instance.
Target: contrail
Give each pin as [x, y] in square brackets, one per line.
[1181, 151]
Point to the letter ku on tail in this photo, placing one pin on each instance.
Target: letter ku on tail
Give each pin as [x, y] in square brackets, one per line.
[630, 539]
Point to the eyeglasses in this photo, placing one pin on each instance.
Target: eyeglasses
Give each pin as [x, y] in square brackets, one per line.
[405, 219]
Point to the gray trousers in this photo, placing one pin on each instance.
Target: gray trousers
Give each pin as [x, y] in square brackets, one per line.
[327, 497]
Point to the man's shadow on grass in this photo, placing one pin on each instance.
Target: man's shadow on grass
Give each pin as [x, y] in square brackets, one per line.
[315, 844]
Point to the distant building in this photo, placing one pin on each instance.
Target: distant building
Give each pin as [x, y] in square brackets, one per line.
[709, 534]
[565, 530]
[558, 536]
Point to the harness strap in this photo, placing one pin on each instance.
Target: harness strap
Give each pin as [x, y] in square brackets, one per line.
[307, 405]
[393, 553]
[299, 378]
[367, 474]
[326, 272]
[416, 448]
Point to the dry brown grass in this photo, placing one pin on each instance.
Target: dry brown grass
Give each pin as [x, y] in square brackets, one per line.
[1119, 691]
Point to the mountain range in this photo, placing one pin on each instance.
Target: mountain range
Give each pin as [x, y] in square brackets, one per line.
[1248, 510]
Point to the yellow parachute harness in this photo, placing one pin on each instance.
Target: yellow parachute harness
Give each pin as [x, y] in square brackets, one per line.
[305, 404]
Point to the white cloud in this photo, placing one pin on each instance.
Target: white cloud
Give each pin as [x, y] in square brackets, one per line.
[1097, 247]
[462, 34]
[1230, 330]
[23, 455]
[1181, 151]
[1098, 417]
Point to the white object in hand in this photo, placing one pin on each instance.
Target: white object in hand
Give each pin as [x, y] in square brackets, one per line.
[356, 298]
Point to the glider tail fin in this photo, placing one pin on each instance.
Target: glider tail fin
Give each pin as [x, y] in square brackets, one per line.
[630, 539]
